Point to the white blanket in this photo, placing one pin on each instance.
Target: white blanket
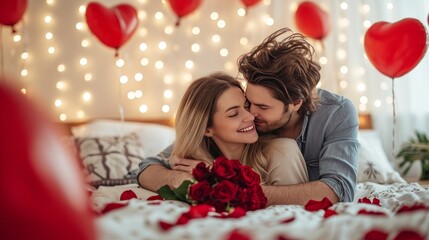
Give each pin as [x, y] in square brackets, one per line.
[140, 218]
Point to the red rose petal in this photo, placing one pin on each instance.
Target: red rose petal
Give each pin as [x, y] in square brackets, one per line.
[329, 213]
[375, 235]
[408, 235]
[313, 205]
[165, 225]
[414, 207]
[112, 206]
[127, 195]
[374, 213]
[288, 220]
[375, 201]
[156, 197]
[237, 235]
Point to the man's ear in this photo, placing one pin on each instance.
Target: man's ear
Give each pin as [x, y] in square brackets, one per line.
[296, 105]
[209, 132]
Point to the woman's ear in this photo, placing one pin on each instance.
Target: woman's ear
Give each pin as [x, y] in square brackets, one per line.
[209, 132]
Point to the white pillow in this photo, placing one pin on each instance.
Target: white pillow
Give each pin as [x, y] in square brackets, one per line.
[153, 137]
[374, 166]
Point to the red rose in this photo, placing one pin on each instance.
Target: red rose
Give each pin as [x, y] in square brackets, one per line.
[200, 191]
[224, 191]
[248, 177]
[200, 172]
[224, 168]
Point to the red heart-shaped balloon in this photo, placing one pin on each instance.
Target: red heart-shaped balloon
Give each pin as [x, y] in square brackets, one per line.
[112, 26]
[12, 11]
[183, 7]
[312, 21]
[249, 3]
[396, 48]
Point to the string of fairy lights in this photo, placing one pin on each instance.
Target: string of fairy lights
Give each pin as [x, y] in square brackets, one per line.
[146, 57]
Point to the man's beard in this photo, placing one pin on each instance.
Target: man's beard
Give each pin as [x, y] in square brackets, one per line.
[274, 126]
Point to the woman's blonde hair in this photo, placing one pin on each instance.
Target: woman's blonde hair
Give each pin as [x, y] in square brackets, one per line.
[194, 116]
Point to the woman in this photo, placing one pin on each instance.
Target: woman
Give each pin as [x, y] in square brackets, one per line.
[213, 120]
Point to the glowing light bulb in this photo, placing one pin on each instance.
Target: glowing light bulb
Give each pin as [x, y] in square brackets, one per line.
[61, 68]
[138, 93]
[79, 26]
[49, 35]
[244, 41]
[144, 62]
[143, 47]
[17, 38]
[189, 64]
[82, 9]
[84, 43]
[83, 61]
[24, 72]
[123, 79]
[165, 108]
[87, 77]
[60, 85]
[48, 19]
[168, 94]
[221, 24]
[143, 108]
[51, 50]
[215, 38]
[120, 62]
[24, 55]
[159, 64]
[58, 103]
[162, 45]
[86, 96]
[195, 30]
[195, 47]
[80, 114]
[241, 12]
[63, 117]
[223, 52]
[138, 77]
[214, 16]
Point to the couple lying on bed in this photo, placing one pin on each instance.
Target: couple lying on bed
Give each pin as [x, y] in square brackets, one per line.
[307, 148]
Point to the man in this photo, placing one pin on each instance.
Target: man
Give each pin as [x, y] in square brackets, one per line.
[281, 88]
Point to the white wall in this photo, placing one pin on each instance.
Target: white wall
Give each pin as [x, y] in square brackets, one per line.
[343, 49]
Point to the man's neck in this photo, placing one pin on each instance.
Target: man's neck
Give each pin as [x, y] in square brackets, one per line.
[293, 129]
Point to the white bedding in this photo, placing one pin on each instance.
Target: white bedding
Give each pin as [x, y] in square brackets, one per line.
[140, 218]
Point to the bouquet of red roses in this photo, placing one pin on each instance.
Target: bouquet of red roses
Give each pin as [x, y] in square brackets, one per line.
[226, 185]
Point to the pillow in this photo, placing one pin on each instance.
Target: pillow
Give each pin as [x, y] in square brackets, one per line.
[374, 166]
[110, 160]
[153, 137]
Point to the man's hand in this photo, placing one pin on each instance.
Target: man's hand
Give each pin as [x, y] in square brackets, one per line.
[184, 164]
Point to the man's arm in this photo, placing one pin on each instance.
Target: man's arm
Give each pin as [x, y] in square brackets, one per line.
[157, 175]
[299, 194]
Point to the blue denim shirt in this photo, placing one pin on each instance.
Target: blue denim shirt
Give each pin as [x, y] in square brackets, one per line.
[330, 146]
[328, 142]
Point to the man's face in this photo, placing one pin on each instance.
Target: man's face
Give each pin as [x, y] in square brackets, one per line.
[270, 113]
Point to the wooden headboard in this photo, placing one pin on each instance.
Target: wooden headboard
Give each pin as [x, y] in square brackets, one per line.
[67, 126]
[365, 122]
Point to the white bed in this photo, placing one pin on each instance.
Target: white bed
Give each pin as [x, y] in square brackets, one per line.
[138, 218]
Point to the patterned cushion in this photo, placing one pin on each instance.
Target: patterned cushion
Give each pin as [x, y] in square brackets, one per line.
[374, 165]
[110, 160]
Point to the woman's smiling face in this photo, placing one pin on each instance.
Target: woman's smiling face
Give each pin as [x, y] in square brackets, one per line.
[232, 121]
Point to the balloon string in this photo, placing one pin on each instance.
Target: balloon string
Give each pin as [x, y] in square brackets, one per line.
[178, 22]
[120, 107]
[394, 119]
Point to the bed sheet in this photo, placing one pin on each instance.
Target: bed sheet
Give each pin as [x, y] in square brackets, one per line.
[140, 219]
